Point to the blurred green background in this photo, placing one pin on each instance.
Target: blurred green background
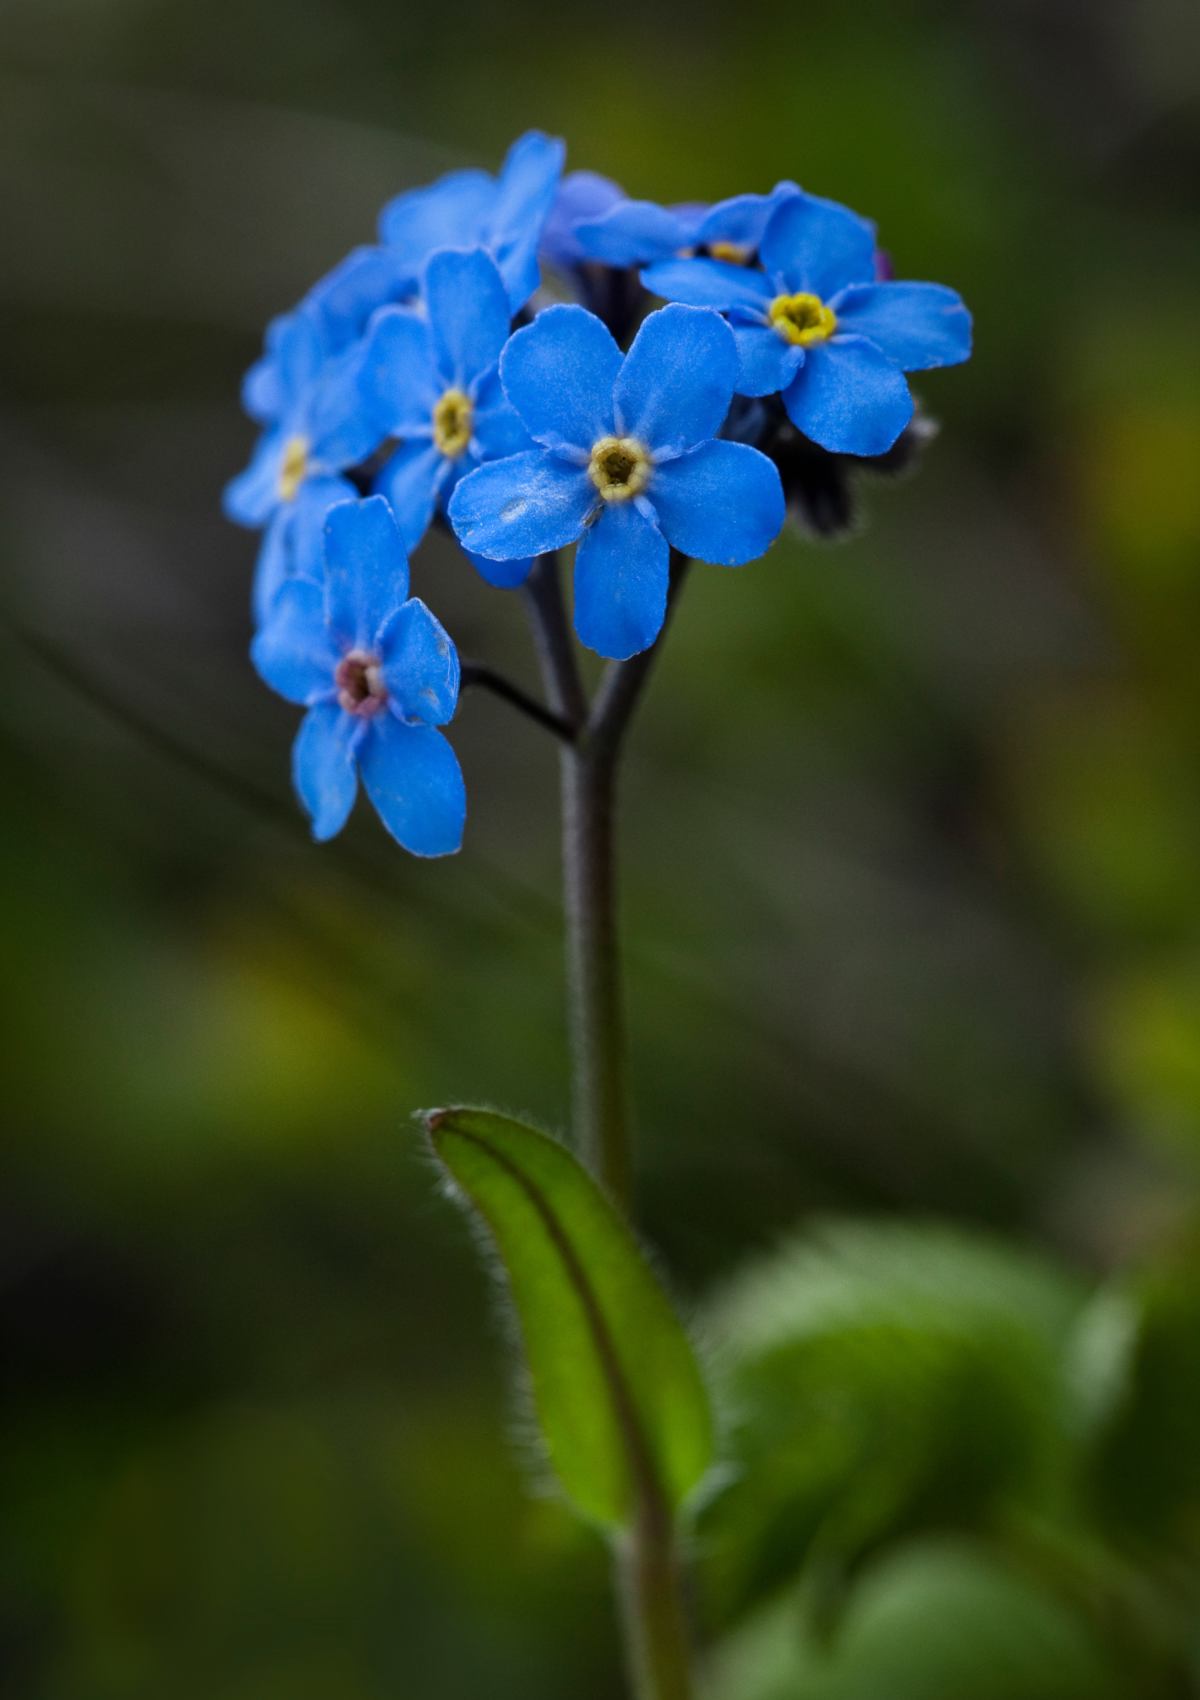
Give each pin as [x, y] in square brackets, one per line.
[912, 850]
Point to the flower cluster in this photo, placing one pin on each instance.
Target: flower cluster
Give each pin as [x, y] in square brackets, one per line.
[497, 364]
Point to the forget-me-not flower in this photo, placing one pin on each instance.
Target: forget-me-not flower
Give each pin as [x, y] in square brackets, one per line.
[378, 675]
[317, 428]
[627, 462]
[433, 382]
[503, 214]
[638, 233]
[581, 197]
[812, 322]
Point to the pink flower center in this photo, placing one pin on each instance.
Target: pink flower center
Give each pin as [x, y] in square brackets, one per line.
[360, 686]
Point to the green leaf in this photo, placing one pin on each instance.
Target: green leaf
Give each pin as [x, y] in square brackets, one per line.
[618, 1391]
[933, 1621]
[883, 1378]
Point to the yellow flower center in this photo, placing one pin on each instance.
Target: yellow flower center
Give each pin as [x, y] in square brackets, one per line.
[620, 467]
[293, 468]
[453, 422]
[802, 318]
[733, 253]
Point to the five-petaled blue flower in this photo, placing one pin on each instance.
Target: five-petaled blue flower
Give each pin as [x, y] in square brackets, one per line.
[433, 383]
[317, 427]
[378, 675]
[503, 214]
[633, 233]
[813, 323]
[627, 462]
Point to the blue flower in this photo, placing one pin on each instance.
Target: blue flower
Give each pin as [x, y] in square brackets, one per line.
[582, 196]
[433, 383]
[317, 427]
[626, 462]
[377, 674]
[813, 323]
[633, 233]
[344, 300]
[503, 214]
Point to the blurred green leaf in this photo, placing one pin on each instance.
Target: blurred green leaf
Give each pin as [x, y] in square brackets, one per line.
[932, 1622]
[1146, 1464]
[880, 1379]
[618, 1391]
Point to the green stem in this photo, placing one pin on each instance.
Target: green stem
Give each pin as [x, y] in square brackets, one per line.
[599, 1091]
[649, 1581]
[654, 1624]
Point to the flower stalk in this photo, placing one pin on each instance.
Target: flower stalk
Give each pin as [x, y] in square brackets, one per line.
[648, 1571]
[653, 1620]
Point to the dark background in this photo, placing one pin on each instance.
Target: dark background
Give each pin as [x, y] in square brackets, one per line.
[912, 844]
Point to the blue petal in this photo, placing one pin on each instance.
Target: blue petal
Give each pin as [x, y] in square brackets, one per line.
[252, 497]
[344, 300]
[504, 575]
[710, 283]
[849, 397]
[293, 650]
[498, 427]
[420, 664]
[323, 767]
[766, 363]
[511, 509]
[273, 567]
[397, 381]
[817, 245]
[262, 395]
[366, 570]
[341, 428]
[469, 314]
[294, 545]
[408, 480]
[306, 542]
[559, 374]
[447, 214]
[413, 778]
[622, 568]
[722, 503]
[742, 218]
[678, 379]
[634, 233]
[581, 197]
[292, 357]
[298, 349]
[525, 193]
[918, 325]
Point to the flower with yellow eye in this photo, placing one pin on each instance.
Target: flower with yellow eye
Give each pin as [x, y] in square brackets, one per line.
[432, 383]
[503, 215]
[317, 430]
[637, 233]
[627, 461]
[813, 322]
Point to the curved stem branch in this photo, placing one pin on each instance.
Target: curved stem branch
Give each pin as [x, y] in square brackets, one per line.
[488, 679]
